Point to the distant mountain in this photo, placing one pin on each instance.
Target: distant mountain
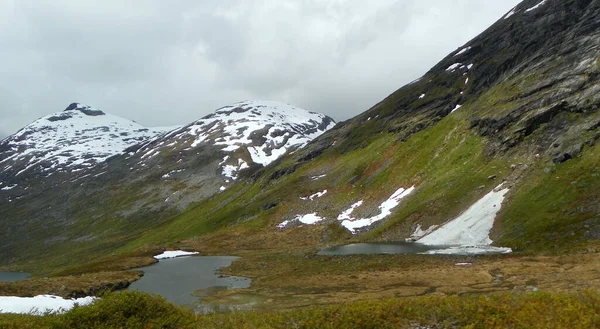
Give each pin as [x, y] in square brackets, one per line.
[80, 137]
[93, 161]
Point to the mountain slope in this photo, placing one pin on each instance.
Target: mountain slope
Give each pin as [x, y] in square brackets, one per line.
[115, 179]
[518, 103]
[78, 138]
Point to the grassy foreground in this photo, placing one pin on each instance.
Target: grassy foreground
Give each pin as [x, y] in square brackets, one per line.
[506, 310]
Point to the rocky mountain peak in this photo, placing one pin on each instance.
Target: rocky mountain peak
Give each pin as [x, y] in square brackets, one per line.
[84, 109]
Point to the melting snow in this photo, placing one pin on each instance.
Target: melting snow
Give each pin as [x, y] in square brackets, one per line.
[453, 66]
[469, 232]
[318, 177]
[462, 51]
[314, 196]
[174, 254]
[419, 233]
[466, 80]
[346, 213]
[510, 13]
[422, 96]
[536, 6]
[385, 210]
[40, 304]
[283, 224]
[469, 66]
[458, 106]
[308, 219]
[7, 188]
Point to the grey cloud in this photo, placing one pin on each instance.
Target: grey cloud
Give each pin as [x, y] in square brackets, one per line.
[171, 62]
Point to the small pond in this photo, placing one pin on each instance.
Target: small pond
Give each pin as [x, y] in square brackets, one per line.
[177, 278]
[13, 276]
[378, 248]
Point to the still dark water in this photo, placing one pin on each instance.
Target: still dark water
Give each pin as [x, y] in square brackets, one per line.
[177, 278]
[378, 248]
[13, 276]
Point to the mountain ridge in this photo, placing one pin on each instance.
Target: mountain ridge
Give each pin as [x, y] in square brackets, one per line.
[517, 104]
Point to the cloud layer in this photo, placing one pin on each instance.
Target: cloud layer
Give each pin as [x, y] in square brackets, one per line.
[171, 62]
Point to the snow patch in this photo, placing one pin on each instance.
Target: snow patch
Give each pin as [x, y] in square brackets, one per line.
[346, 213]
[308, 218]
[174, 254]
[469, 232]
[458, 106]
[318, 177]
[284, 224]
[536, 6]
[8, 188]
[419, 233]
[385, 210]
[462, 51]
[422, 96]
[510, 13]
[314, 196]
[453, 67]
[40, 304]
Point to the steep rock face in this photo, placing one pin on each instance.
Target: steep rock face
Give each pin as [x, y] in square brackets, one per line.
[535, 72]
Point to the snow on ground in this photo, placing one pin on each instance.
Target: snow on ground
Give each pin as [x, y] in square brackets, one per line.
[318, 177]
[422, 96]
[510, 13]
[469, 250]
[314, 196]
[346, 213]
[462, 51]
[40, 304]
[7, 188]
[385, 210]
[308, 219]
[458, 106]
[174, 254]
[469, 232]
[419, 233]
[466, 80]
[536, 6]
[469, 66]
[453, 66]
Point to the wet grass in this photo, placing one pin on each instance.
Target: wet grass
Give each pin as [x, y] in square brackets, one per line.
[506, 310]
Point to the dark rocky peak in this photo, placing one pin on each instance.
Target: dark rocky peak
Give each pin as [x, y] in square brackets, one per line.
[84, 109]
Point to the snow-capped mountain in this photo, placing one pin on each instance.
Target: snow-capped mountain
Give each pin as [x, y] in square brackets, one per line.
[77, 138]
[246, 133]
[190, 162]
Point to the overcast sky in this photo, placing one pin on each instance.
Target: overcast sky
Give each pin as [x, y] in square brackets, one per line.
[171, 62]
